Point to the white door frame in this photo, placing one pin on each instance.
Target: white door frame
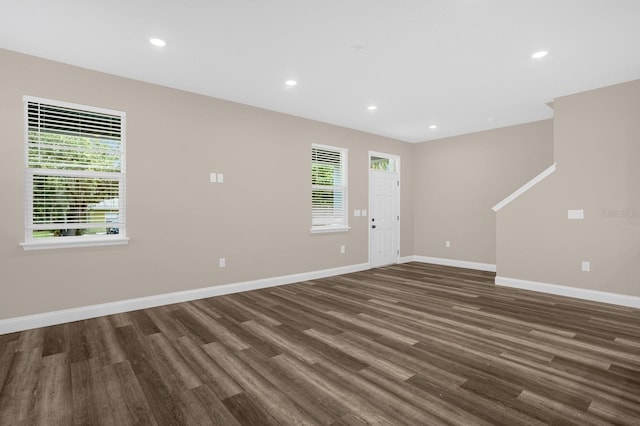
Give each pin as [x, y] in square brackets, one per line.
[396, 158]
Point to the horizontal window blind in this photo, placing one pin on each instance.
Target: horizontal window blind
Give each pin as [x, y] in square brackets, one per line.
[328, 187]
[75, 174]
[47, 118]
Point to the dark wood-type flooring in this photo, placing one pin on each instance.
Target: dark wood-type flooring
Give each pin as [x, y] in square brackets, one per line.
[408, 344]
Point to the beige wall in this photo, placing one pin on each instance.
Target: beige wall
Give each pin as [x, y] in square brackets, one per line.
[259, 219]
[179, 223]
[457, 180]
[597, 148]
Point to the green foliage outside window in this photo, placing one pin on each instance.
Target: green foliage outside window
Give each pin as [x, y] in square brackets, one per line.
[64, 199]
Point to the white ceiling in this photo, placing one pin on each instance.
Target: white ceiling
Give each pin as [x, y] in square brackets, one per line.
[464, 65]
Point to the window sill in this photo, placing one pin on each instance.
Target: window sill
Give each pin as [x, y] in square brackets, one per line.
[70, 242]
[330, 229]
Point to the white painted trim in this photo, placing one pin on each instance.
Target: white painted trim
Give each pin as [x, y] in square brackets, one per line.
[524, 188]
[27, 322]
[406, 259]
[326, 229]
[578, 293]
[70, 242]
[452, 262]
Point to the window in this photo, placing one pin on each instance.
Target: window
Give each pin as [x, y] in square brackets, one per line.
[328, 189]
[383, 164]
[74, 175]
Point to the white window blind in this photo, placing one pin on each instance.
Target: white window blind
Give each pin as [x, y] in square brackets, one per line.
[75, 172]
[328, 188]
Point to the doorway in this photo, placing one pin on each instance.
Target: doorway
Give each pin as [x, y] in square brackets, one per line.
[384, 209]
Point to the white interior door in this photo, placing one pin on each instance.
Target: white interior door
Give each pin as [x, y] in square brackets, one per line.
[383, 217]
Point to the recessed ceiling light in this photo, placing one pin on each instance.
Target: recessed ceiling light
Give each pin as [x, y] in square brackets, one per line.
[372, 107]
[540, 54]
[433, 126]
[290, 82]
[157, 42]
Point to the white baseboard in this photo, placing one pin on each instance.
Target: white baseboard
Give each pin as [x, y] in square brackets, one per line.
[450, 262]
[578, 293]
[27, 322]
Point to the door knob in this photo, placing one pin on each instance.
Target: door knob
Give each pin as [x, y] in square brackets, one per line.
[373, 227]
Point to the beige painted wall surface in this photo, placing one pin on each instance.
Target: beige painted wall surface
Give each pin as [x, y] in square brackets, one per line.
[457, 181]
[178, 222]
[597, 148]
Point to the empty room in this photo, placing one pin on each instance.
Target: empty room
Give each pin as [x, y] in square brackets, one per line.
[298, 212]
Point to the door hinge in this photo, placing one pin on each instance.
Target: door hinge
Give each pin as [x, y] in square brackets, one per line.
[398, 182]
[398, 217]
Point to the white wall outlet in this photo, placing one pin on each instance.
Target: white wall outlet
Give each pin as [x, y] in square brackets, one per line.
[447, 243]
[364, 212]
[586, 266]
[575, 214]
[222, 262]
[213, 177]
[342, 249]
[357, 213]
[220, 177]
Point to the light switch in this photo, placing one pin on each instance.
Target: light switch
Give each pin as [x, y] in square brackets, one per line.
[575, 214]
[220, 178]
[364, 212]
[212, 177]
[356, 213]
[586, 266]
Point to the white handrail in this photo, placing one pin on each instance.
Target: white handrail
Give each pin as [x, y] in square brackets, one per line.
[524, 188]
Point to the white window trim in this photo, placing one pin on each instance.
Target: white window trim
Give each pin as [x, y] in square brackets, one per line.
[31, 243]
[336, 228]
[329, 229]
[71, 242]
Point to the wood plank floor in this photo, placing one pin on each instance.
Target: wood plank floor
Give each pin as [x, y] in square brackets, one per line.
[408, 344]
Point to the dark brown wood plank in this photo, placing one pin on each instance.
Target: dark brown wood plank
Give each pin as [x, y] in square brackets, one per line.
[323, 410]
[104, 342]
[89, 394]
[7, 352]
[53, 405]
[247, 412]
[163, 401]
[141, 320]
[219, 381]
[215, 411]
[18, 397]
[333, 386]
[79, 345]
[55, 340]
[270, 399]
